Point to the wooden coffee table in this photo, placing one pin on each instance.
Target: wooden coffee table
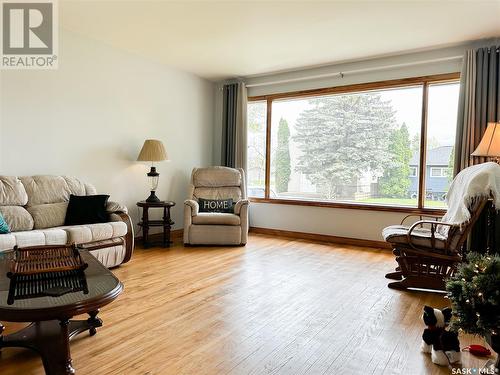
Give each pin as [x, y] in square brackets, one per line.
[52, 327]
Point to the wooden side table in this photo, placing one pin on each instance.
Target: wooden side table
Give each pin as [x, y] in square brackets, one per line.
[166, 222]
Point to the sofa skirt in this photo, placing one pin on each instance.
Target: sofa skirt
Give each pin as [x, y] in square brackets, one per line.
[110, 256]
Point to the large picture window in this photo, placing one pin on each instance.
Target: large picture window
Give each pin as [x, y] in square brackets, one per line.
[355, 145]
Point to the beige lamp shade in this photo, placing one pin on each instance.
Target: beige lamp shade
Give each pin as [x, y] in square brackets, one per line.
[490, 143]
[152, 150]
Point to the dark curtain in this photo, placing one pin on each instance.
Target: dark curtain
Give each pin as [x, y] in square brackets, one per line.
[229, 118]
[479, 104]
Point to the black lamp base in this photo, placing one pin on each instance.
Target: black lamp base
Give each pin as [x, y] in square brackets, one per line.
[153, 198]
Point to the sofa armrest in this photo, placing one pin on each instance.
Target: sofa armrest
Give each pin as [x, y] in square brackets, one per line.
[112, 207]
[193, 206]
[238, 206]
[129, 237]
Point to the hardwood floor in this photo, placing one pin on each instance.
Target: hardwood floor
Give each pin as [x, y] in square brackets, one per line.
[276, 306]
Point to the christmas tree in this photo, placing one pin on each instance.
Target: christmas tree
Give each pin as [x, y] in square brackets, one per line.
[474, 291]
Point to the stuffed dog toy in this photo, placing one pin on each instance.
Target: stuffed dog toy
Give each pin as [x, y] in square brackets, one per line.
[442, 344]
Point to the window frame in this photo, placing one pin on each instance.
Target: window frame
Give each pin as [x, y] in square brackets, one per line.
[424, 81]
[413, 174]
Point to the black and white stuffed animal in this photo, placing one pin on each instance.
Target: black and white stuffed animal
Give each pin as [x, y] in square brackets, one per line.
[442, 344]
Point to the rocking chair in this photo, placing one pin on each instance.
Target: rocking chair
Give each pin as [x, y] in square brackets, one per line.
[429, 250]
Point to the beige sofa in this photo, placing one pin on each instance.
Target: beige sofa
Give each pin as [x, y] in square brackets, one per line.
[35, 209]
[207, 228]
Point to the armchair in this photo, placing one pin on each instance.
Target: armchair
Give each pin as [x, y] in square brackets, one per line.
[207, 228]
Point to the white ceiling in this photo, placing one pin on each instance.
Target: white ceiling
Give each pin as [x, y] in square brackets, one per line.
[219, 40]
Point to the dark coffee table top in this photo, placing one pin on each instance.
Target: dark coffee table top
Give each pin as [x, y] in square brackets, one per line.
[103, 287]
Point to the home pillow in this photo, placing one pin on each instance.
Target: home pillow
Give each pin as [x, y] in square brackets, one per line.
[216, 205]
[86, 209]
[4, 227]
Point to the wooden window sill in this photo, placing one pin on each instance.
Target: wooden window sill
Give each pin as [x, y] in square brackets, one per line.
[352, 206]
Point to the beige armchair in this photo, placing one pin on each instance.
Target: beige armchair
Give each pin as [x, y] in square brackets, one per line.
[213, 228]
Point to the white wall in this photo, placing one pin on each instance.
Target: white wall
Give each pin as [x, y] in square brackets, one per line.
[428, 68]
[362, 224]
[90, 117]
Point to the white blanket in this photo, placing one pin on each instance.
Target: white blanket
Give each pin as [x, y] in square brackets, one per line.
[482, 180]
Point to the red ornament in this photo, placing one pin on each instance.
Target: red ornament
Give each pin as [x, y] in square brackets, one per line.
[477, 350]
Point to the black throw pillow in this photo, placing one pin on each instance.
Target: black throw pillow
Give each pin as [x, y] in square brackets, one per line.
[86, 209]
[216, 205]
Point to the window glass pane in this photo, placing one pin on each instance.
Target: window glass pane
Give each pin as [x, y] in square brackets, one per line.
[441, 129]
[435, 172]
[357, 147]
[256, 157]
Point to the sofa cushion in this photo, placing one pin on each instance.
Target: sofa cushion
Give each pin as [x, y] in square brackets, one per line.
[78, 187]
[12, 192]
[216, 218]
[64, 235]
[95, 232]
[17, 218]
[52, 236]
[48, 215]
[397, 234]
[116, 207]
[216, 177]
[53, 189]
[7, 241]
[55, 236]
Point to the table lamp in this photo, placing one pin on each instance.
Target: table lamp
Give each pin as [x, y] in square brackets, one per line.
[490, 143]
[153, 150]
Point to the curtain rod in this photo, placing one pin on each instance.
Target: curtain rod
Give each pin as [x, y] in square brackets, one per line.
[341, 74]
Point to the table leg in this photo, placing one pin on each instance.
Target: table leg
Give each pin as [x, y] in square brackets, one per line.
[145, 227]
[94, 322]
[1, 336]
[59, 360]
[165, 218]
[51, 339]
[168, 235]
[169, 227]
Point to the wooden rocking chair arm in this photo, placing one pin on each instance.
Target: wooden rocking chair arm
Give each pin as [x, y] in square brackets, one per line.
[433, 223]
[421, 217]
